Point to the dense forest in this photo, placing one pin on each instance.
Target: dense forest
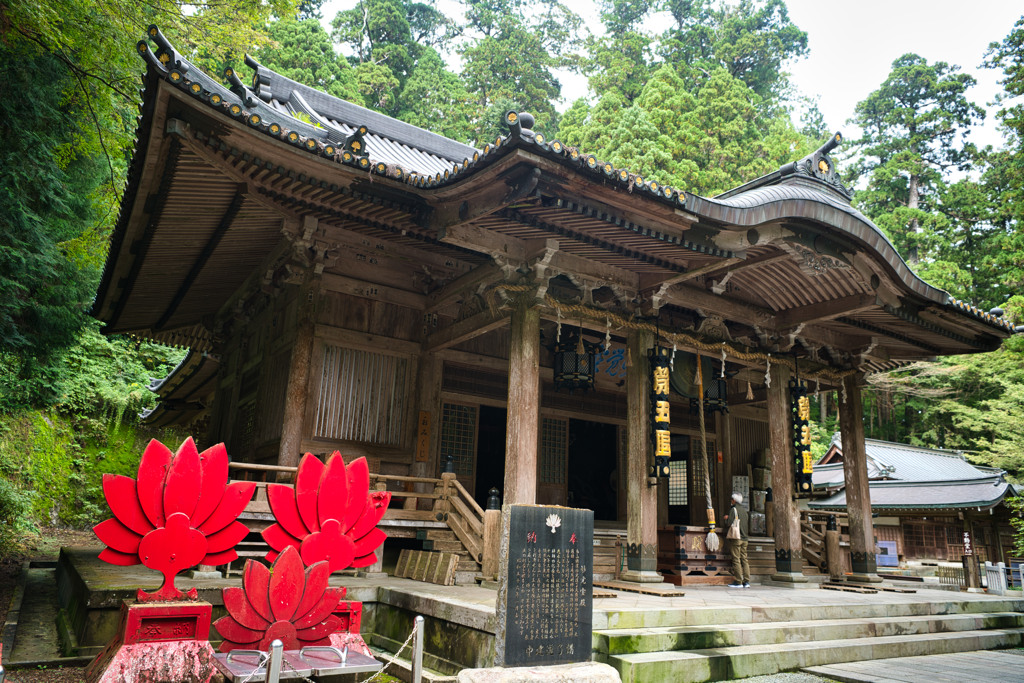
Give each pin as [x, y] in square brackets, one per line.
[699, 99]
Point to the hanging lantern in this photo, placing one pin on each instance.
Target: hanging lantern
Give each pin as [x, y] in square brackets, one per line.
[575, 363]
[716, 394]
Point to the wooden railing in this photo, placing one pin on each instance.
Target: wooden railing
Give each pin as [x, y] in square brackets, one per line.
[950, 576]
[462, 514]
[447, 500]
[812, 535]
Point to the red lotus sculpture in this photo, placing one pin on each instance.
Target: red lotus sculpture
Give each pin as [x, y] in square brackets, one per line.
[179, 513]
[283, 602]
[330, 514]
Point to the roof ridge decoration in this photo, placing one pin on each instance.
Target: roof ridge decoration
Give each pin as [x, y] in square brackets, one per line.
[820, 165]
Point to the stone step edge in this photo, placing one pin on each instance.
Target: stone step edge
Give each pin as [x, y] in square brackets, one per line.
[742, 614]
[402, 668]
[797, 623]
[832, 645]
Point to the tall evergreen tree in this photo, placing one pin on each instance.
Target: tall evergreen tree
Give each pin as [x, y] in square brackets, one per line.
[512, 51]
[914, 132]
[302, 51]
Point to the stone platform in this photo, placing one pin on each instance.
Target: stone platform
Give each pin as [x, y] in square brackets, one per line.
[700, 633]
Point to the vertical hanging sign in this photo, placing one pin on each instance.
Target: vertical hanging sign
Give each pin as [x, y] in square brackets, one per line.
[660, 417]
[800, 405]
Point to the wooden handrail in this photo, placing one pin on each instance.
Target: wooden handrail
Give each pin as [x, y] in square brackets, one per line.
[468, 499]
[463, 515]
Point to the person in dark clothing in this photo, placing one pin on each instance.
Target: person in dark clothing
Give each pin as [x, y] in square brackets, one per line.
[738, 547]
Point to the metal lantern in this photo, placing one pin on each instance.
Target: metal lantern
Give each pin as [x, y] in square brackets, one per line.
[575, 363]
[716, 397]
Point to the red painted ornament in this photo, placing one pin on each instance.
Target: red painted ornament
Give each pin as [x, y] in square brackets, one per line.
[179, 513]
[329, 515]
[283, 603]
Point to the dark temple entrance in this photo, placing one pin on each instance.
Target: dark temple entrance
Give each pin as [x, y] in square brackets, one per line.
[593, 478]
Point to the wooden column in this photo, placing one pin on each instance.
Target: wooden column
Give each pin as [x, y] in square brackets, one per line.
[642, 499]
[298, 389]
[855, 472]
[523, 407]
[428, 414]
[788, 548]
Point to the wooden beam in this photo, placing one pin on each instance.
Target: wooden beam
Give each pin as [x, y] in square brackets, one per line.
[762, 260]
[463, 330]
[483, 241]
[484, 201]
[369, 290]
[457, 288]
[824, 310]
[577, 265]
[197, 147]
[204, 256]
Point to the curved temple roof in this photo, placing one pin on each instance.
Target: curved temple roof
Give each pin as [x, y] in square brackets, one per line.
[221, 175]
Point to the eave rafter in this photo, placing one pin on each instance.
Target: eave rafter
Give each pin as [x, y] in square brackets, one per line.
[154, 206]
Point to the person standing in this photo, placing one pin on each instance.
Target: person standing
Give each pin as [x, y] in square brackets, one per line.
[738, 546]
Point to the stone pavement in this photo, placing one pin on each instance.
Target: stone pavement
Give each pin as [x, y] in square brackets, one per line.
[985, 666]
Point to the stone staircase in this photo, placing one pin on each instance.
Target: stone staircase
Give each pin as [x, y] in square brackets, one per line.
[666, 645]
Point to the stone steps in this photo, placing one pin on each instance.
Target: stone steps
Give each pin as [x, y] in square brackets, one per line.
[754, 614]
[632, 641]
[741, 661]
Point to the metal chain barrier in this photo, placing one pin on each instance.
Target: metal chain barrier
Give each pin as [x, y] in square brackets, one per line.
[391, 659]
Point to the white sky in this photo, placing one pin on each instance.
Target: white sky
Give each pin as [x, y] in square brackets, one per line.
[853, 44]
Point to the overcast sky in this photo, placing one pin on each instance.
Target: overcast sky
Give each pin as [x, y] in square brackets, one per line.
[853, 44]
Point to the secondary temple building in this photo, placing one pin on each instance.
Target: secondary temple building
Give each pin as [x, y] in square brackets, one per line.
[346, 281]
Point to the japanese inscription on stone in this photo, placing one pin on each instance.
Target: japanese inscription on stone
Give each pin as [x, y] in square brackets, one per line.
[545, 596]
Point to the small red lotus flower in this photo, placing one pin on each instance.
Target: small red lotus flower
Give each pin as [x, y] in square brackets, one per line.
[283, 602]
[330, 514]
[179, 513]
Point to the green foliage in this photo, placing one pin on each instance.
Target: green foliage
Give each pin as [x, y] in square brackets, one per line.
[97, 375]
[48, 177]
[61, 460]
[302, 51]
[435, 99]
[1016, 506]
[914, 131]
[752, 40]
[702, 133]
[15, 517]
[969, 403]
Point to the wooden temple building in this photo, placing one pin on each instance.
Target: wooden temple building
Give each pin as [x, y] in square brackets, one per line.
[346, 281]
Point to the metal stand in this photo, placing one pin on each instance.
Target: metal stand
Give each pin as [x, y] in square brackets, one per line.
[277, 665]
[417, 650]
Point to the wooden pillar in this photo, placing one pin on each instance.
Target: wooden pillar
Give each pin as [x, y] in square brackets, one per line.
[296, 392]
[641, 498]
[855, 472]
[788, 548]
[428, 419]
[522, 428]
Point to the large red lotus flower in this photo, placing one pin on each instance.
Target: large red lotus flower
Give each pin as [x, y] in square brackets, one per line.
[330, 514]
[282, 602]
[179, 513]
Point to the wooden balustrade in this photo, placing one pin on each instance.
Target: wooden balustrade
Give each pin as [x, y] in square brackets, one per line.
[812, 533]
[449, 500]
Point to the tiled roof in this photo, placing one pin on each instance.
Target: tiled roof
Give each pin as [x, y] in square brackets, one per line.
[904, 476]
[927, 495]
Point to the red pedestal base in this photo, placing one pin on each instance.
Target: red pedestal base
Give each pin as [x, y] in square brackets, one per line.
[163, 641]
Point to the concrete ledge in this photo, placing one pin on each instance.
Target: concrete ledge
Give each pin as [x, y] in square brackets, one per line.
[592, 672]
